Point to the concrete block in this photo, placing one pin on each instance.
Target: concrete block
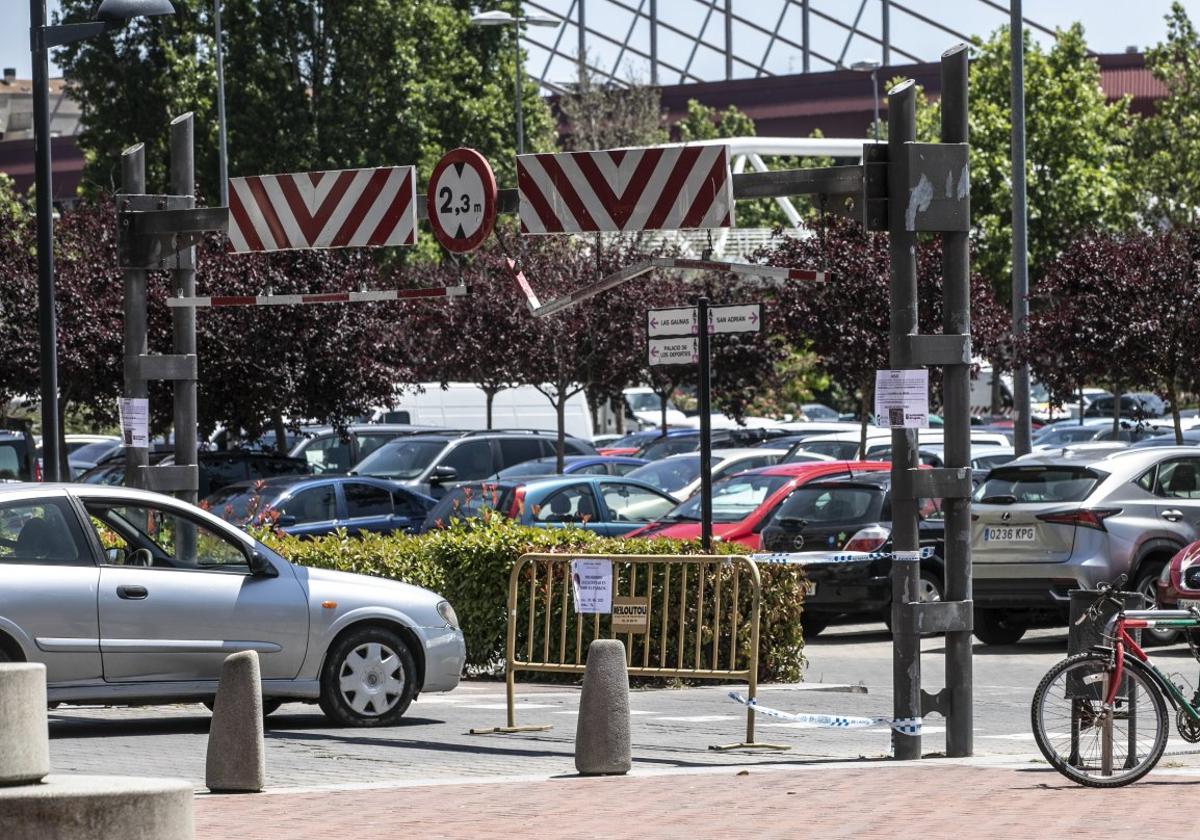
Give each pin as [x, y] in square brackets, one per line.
[236, 754]
[98, 808]
[602, 741]
[24, 732]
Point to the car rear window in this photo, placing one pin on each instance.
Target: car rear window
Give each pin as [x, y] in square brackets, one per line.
[468, 501]
[1038, 483]
[832, 504]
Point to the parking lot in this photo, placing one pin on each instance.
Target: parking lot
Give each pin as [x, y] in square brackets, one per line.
[849, 673]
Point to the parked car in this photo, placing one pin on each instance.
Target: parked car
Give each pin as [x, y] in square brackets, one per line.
[311, 507]
[611, 506]
[96, 584]
[217, 469]
[1178, 586]
[1094, 430]
[573, 465]
[1191, 437]
[17, 457]
[851, 516]
[743, 504]
[688, 440]
[818, 411]
[329, 450]
[429, 462]
[629, 444]
[84, 455]
[1134, 405]
[1047, 524]
[679, 475]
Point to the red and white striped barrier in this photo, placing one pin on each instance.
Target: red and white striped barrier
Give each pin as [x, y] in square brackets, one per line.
[626, 190]
[340, 208]
[775, 273]
[218, 301]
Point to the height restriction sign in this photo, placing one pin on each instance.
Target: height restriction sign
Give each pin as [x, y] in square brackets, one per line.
[462, 200]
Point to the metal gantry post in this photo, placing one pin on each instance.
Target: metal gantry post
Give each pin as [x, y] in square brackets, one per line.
[183, 319]
[1022, 429]
[902, 242]
[705, 400]
[728, 39]
[956, 386]
[133, 182]
[653, 41]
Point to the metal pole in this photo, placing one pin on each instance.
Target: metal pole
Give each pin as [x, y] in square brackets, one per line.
[47, 320]
[133, 182]
[875, 93]
[804, 51]
[183, 319]
[519, 85]
[728, 39]
[653, 41]
[224, 163]
[705, 426]
[1022, 430]
[581, 50]
[906, 645]
[957, 392]
[886, 27]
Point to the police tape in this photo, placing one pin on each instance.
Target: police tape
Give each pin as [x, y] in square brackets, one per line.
[801, 558]
[905, 726]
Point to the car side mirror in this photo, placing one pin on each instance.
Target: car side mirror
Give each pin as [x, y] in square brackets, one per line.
[442, 474]
[260, 566]
[285, 521]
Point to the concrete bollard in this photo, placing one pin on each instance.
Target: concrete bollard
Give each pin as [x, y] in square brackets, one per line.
[602, 742]
[98, 808]
[24, 730]
[236, 760]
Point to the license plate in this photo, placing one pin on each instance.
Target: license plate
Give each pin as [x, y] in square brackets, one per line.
[1188, 603]
[1009, 533]
[808, 587]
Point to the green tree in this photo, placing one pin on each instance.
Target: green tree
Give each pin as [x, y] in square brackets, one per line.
[1078, 159]
[1168, 141]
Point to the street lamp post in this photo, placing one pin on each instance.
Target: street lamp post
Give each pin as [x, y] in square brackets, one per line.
[871, 67]
[110, 15]
[500, 18]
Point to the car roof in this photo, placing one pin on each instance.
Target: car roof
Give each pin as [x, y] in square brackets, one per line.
[882, 480]
[819, 468]
[534, 483]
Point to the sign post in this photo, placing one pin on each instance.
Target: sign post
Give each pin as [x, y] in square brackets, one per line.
[689, 344]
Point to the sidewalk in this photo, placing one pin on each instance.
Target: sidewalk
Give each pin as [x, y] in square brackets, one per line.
[884, 799]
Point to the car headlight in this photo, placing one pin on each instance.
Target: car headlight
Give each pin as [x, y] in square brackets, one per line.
[447, 613]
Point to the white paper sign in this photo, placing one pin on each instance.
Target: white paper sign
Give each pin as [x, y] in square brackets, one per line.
[591, 584]
[135, 421]
[902, 398]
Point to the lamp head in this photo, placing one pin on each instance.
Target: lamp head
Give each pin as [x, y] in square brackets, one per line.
[122, 10]
[540, 20]
[494, 18]
[865, 66]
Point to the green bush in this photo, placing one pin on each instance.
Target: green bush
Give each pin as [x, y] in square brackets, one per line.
[470, 564]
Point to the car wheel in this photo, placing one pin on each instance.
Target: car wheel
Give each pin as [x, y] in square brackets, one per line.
[812, 625]
[368, 679]
[270, 705]
[1145, 586]
[993, 627]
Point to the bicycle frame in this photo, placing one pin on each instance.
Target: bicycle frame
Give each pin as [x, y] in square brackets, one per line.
[1124, 645]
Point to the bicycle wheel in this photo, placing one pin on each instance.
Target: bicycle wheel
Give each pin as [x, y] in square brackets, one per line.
[1085, 741]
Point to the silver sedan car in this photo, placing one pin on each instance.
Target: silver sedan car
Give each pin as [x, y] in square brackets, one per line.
[129, 596]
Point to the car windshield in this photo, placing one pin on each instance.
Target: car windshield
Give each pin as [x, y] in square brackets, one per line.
[94, 451]
[539, 466]
[236, 504]
[670, 474]
[839, 450]
[644, 402]
[732, 499]
[817, 505]
[401, 459]
[672, 445]
[1038, 483]
[468, 501]
[1068, 435]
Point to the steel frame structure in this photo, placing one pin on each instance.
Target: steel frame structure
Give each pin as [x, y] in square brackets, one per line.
[722, 14]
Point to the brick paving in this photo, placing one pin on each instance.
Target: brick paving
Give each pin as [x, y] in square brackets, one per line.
[876, 800]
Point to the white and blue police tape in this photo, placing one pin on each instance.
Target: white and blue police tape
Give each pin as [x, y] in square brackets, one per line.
[905, 726]
[801, 558]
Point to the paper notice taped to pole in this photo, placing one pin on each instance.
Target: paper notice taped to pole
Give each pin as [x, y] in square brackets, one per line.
[135, 421]
[902, 399]
[591, 585]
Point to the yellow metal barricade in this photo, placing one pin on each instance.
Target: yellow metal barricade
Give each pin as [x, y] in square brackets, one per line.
[692, 617]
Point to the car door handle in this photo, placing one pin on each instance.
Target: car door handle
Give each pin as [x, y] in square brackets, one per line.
[1172, 515]
[132, 593]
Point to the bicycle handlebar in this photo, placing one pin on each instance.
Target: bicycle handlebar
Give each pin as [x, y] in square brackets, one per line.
[1106, 591]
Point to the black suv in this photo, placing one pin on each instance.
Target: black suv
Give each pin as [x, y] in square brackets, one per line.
[836, 518]
[17, 461]
[428, 463]
[217, 469]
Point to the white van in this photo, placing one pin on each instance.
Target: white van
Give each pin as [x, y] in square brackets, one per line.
[463, 405]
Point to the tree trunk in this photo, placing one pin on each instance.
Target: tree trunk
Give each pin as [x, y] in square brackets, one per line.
[1081, 405]
[662, 405]
[280, 433]
[865, 412]
[64, 462]
[1116, 427]
[560, 408]
[618, 409]
[489, 395]
[997, 401]
[1172, 396]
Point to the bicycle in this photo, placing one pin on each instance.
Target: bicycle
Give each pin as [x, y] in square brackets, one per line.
[1100, 717]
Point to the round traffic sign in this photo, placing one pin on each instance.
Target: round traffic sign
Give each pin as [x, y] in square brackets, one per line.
[462, 200]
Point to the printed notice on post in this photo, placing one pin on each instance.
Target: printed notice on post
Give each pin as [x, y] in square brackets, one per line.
[591, 584]
[135, 421]
[902, 399]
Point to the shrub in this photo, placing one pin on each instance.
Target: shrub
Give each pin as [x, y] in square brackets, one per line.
[470, 563]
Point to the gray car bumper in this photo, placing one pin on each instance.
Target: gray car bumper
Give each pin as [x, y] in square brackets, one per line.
[445, 655]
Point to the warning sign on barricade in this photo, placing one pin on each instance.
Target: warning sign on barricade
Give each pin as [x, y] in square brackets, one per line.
[626, 190]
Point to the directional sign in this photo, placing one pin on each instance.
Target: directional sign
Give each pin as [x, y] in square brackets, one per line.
[660, 322]
[746, 317]
[461, 200]
[674, 351]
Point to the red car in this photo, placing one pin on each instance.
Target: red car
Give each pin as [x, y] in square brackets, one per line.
[1179, 585]
[744, 503]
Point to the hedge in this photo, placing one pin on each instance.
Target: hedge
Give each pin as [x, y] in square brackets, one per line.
[470, 563]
